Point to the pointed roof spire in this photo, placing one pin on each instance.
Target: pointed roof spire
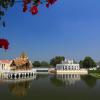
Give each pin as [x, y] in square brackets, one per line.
[23, 55]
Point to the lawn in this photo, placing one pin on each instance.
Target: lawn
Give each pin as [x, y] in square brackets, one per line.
[95, 73]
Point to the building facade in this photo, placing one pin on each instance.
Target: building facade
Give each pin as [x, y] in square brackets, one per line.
[68, 65]
[20, 63]
[5, 64]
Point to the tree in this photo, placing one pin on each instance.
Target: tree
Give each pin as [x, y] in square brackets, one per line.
[45, 64]
[56, 60]
[88, 62]
[36, 64]
[81, 64]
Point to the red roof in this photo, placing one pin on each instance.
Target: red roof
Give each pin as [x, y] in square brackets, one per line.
[5, 61]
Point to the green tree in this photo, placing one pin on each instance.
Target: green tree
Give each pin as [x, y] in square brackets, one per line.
[81, 64]
[56, 60]
[36, 64]
[45, 64]
[88, 62]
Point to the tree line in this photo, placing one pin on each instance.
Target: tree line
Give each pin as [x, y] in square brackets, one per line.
[87, 62]
[51, 63]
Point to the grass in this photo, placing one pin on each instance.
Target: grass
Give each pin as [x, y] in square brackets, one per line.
[95, 73]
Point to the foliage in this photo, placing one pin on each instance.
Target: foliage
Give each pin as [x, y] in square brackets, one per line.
[88, 62]
[56, 60]
[31, 4]
[81, 64]
[45, 64]
[36, 64]
[34, 5]
[94, 71]
[28, 5]
[41, 64]
[4, 5]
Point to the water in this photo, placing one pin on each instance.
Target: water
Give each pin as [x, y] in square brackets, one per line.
[52, 87]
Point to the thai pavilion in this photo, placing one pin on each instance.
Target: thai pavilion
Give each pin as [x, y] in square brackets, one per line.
[20, 63]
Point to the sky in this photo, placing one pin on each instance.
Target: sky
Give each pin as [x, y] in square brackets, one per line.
[69, 28]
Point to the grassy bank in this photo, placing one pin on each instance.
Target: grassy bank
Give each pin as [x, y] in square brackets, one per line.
[95, 73]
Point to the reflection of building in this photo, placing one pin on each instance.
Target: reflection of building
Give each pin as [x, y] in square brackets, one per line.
[20, 88]
[23, 79]
[69, 66]
[69, 79]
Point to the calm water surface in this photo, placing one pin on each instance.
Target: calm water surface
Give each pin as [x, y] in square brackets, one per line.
[52, 87]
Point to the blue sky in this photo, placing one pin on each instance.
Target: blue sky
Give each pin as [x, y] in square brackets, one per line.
[69, 28]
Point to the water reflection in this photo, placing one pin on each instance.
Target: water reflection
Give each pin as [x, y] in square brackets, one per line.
[43, 81]
[41, 76]
[71, 79]
[18, 87]
[65, 79]
[56, 81]
[89, 80]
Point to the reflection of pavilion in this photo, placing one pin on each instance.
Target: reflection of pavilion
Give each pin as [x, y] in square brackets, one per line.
[3, 80]
[69, 79]
[18, 87]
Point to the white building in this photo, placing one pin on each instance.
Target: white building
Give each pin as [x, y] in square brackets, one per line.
[5, 65]
[68, 65]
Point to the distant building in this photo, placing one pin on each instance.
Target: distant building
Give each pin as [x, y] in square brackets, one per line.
[5, 64]
[68, 65]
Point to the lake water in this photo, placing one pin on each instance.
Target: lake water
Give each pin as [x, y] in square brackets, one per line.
[52, 87]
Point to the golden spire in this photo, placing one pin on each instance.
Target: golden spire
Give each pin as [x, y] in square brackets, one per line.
[24, 55]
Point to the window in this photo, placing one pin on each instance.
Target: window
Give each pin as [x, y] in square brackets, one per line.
[69, 67]
[65, 67]
[72, 67]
